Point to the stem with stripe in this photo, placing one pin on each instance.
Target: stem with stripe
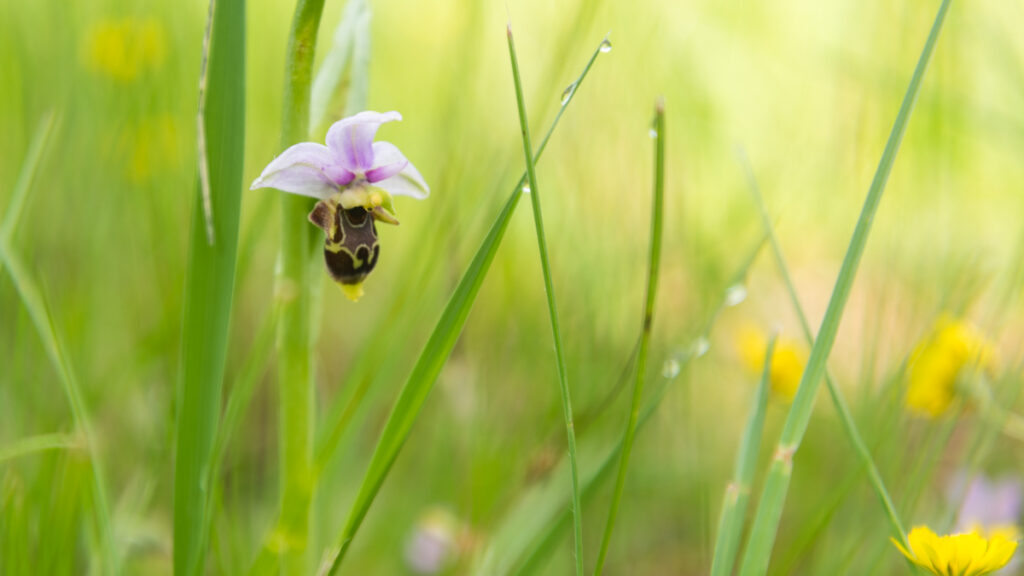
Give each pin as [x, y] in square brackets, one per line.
[769, 512]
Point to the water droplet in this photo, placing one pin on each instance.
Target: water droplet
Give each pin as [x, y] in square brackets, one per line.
[606, 46]
[652, 133]
[670, 369]
[701, 347]
[735, 295]
[567, 93]
[526, 188]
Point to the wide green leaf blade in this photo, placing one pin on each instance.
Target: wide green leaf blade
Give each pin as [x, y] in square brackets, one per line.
[209, 285]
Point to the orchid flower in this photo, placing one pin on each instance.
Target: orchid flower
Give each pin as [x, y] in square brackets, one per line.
[353, 178]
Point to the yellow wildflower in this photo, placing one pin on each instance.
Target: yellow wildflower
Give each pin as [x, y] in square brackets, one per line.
[150, 146]
[937, 363]
[958, 554]
[788, 361]
[123, 49]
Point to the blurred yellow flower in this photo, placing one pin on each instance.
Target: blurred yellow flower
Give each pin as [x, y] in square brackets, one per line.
[150, 146]
[959, 554]
[937, 363]
[788, 360]
[122, 49]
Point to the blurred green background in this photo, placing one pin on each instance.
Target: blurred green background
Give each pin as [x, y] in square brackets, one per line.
[807, 89]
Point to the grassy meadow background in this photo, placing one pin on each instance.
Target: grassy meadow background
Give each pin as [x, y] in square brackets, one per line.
[806, 90]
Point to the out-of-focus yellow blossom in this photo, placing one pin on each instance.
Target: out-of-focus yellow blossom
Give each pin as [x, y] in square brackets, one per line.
[937, 363]
[967, 554]
[788, 360]
[149, 147]
[124, 48]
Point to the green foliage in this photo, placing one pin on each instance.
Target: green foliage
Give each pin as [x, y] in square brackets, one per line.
[737, 493]
[434, 355]
[209, 287]
[428, 414]
[653, 266]
[769, 511]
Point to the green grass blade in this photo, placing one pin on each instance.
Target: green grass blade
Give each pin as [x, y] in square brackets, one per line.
[769, 513]
[652, 291]
[347, 60]
[295, 291]
[253, 367]
[845, 415]
[434, 355]
[27, 176]
[536, 520]
[734, 504]
[34, 444]
[532, 527]
[33, 299]
[209, 286]
[549, 288]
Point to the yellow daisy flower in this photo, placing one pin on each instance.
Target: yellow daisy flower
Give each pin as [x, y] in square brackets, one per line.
[958, 554]
[938, 361]
[788, 360]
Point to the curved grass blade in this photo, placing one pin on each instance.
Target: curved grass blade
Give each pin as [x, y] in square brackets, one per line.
[435, 353]
[209, 286]
[769, 512]
[35, 444]
[549, 289]
[734, 505]
[35, 303]
[26, 176]
[845, 415]
[657, 202]
[33, 299]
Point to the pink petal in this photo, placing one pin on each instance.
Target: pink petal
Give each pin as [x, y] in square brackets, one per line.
[300, 170]
[378, 173]
[351, 139]
[408, 181]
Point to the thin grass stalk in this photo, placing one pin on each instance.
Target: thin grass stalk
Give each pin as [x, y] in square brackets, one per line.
[549, 289]
[35, 303]
[253, 367]
[925, 466]
[769, 513]
[209, 286]
[654, 261]
[845, 415]
[434, 355]
[35, 444]
[33, 299]
[341, 413]
[27, 175]
[993, 420]
[538, 513]
[294, 339]
[734, 504]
